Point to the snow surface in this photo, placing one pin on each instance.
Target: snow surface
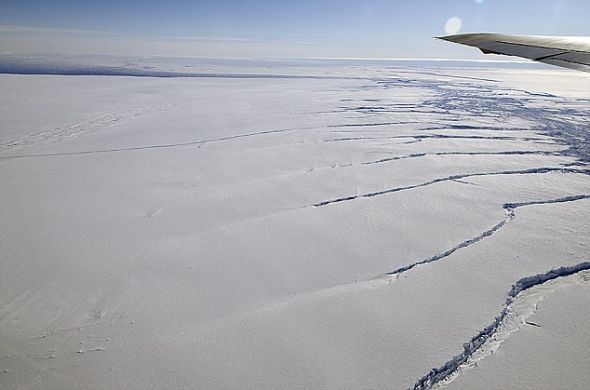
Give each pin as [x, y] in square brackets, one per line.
[350, 227]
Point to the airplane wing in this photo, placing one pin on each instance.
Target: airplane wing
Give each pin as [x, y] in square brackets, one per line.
[567, 52]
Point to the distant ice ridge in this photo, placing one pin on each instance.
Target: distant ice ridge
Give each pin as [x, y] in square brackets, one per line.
[115, 66]
[516, 309]
[82, 70]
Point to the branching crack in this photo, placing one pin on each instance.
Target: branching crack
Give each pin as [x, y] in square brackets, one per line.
[454, 177]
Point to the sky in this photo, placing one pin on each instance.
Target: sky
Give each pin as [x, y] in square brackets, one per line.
[276, 29]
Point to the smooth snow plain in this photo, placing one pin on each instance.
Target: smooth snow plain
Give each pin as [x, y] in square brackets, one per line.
[295, 227]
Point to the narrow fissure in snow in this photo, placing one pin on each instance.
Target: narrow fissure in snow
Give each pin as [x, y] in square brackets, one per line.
[455, 177]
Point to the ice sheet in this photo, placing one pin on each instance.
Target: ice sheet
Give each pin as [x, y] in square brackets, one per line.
[341, 232]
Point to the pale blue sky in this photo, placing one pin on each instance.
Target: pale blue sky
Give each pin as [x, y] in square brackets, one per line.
[266, 28]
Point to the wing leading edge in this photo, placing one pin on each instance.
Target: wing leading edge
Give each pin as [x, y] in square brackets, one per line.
[567, 52]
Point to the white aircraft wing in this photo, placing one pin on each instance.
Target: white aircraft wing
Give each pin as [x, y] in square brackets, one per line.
[567, 52]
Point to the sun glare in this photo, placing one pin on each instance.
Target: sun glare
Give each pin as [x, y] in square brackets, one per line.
[453, 25]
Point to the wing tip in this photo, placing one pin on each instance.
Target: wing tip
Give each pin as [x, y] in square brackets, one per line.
[456, 38]
[466, 38]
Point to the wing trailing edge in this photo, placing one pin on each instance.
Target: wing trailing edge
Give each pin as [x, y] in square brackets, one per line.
[567, 52]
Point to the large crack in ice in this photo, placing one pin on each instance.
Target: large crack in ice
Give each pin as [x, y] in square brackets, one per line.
[376, 124]
[510, 210]
[566, 125]
[199, 142]
[387, 277]
[541, 170]
[566, 122]
[509, 215]
[437, 136]
[507, 322]
[491, 153]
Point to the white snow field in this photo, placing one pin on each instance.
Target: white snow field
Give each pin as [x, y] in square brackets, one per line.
[337, 227]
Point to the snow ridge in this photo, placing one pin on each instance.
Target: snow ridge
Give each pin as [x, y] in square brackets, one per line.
[438, 375]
